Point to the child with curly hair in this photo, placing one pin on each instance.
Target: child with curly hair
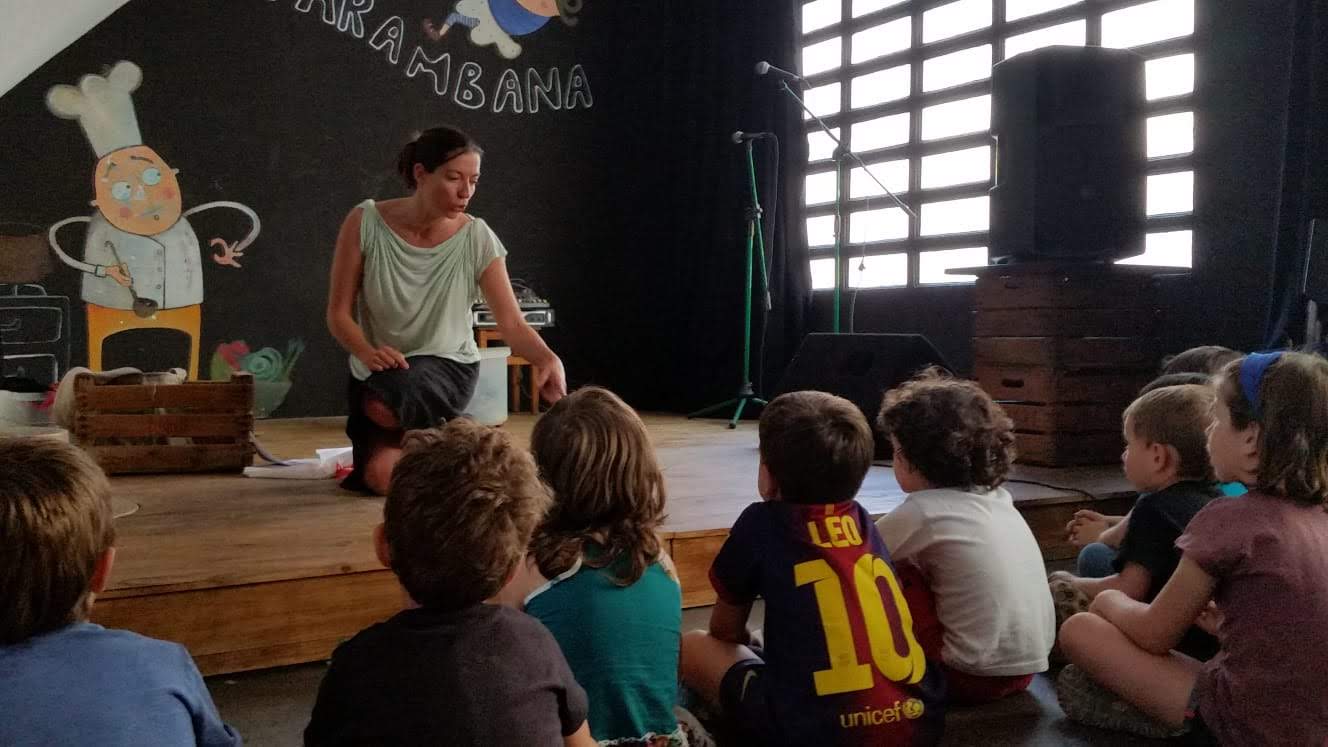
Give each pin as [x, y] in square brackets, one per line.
[971, 569]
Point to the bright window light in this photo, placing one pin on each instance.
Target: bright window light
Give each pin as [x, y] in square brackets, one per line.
[884, 224]
[1071, 34]
[881, 132]
[955, 216]
[877, 271]
[1169, 76]
[820, 13]
[1148, 23]
[1169, 134]
[822, 56]
[956, 167]
[1166, 249]
[932, 265]
[879, 87]
[956, 68]
[882, 40]
[956, 118]
[819, 144]
[863, 7]
[1016, 9]
[893, 174]
[823, 273]
[1170, 193]
[820, 188]
[821, 231]
[955, 19]
[822, 100]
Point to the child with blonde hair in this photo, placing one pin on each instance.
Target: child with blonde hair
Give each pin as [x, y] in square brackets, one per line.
[1262, 558]
[612, 600]
[1166, 460]
[64, 680]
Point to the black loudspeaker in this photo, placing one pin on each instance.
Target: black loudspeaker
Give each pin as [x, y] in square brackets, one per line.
[859, 368]
[1070, 155]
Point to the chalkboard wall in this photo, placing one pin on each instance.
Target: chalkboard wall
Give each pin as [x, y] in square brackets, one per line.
[295, 110]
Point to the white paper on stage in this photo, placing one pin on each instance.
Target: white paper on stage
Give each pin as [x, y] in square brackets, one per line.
[321, 467]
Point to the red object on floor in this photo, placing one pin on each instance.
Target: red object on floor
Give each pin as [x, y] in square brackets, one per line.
[962, 688]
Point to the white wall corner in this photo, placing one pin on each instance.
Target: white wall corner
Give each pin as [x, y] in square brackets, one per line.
[34, 31]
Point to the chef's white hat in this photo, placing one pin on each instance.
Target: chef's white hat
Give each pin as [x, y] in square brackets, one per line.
[102, 106]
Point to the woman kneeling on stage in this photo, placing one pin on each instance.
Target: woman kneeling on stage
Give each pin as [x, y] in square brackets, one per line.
[411, 267]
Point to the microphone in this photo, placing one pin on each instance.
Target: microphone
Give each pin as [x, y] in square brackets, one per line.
[763, 67]
[739, 137]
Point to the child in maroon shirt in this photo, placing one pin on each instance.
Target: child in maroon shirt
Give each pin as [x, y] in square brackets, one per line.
[1263, 561]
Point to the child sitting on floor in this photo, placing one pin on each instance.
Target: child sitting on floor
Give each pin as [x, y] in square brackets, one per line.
[1166, 460]
[459, 513]
[613, 602]
[840, 664]
[1262, 558]
[971, 568]
[1100, 536]
[64, 680]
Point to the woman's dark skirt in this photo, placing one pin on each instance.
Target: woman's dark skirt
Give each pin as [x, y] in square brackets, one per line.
[431, 392]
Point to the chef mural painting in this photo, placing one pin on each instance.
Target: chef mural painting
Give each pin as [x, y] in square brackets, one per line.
[142, 263]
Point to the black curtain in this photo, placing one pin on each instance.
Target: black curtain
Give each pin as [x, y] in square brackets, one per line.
[671, 264]
[1304, 193]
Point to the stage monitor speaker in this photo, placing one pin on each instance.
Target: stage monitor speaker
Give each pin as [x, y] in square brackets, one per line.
[1070, 155]
[859, 367]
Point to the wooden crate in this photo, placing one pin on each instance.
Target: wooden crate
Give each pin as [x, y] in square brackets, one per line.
[1068, 353]
[191, 427]
[1057, 418]
[1056, 322]
[1019, 287]
[1043, 385]
[1065, 347]
[1068, 449]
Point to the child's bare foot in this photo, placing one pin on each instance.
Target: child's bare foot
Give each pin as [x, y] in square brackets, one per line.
[1086, 527]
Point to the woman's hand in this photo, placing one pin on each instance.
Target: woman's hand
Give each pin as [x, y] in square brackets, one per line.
[551, 380]
[382, 358]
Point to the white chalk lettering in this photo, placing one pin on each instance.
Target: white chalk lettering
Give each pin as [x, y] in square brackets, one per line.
[578, 88]
[329, 12]
[438, 69]
[508, 90]
[390, 33]
[542, 91]
[539, 89]
[468, 92]
[351, 16]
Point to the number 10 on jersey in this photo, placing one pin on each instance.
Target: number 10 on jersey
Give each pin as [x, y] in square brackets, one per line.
[847, 673]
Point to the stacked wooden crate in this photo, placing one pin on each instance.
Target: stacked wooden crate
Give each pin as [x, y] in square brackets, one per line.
[200, 426]
[1065, 348]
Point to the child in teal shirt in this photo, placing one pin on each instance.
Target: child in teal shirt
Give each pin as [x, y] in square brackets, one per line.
[612, 599]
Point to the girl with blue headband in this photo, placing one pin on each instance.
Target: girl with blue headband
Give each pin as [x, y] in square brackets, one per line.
[1261, 559]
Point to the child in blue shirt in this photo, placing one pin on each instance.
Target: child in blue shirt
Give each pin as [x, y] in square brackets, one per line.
[64, 680]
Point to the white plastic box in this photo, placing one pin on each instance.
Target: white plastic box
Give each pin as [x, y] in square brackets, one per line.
[489, 403]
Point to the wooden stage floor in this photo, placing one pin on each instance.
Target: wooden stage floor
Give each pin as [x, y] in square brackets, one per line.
[251, 573]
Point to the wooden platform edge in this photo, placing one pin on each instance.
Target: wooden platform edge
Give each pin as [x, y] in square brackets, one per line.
[253, 626]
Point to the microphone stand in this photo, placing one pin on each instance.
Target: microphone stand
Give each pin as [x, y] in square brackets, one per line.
[838, 156]
[755, 234]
